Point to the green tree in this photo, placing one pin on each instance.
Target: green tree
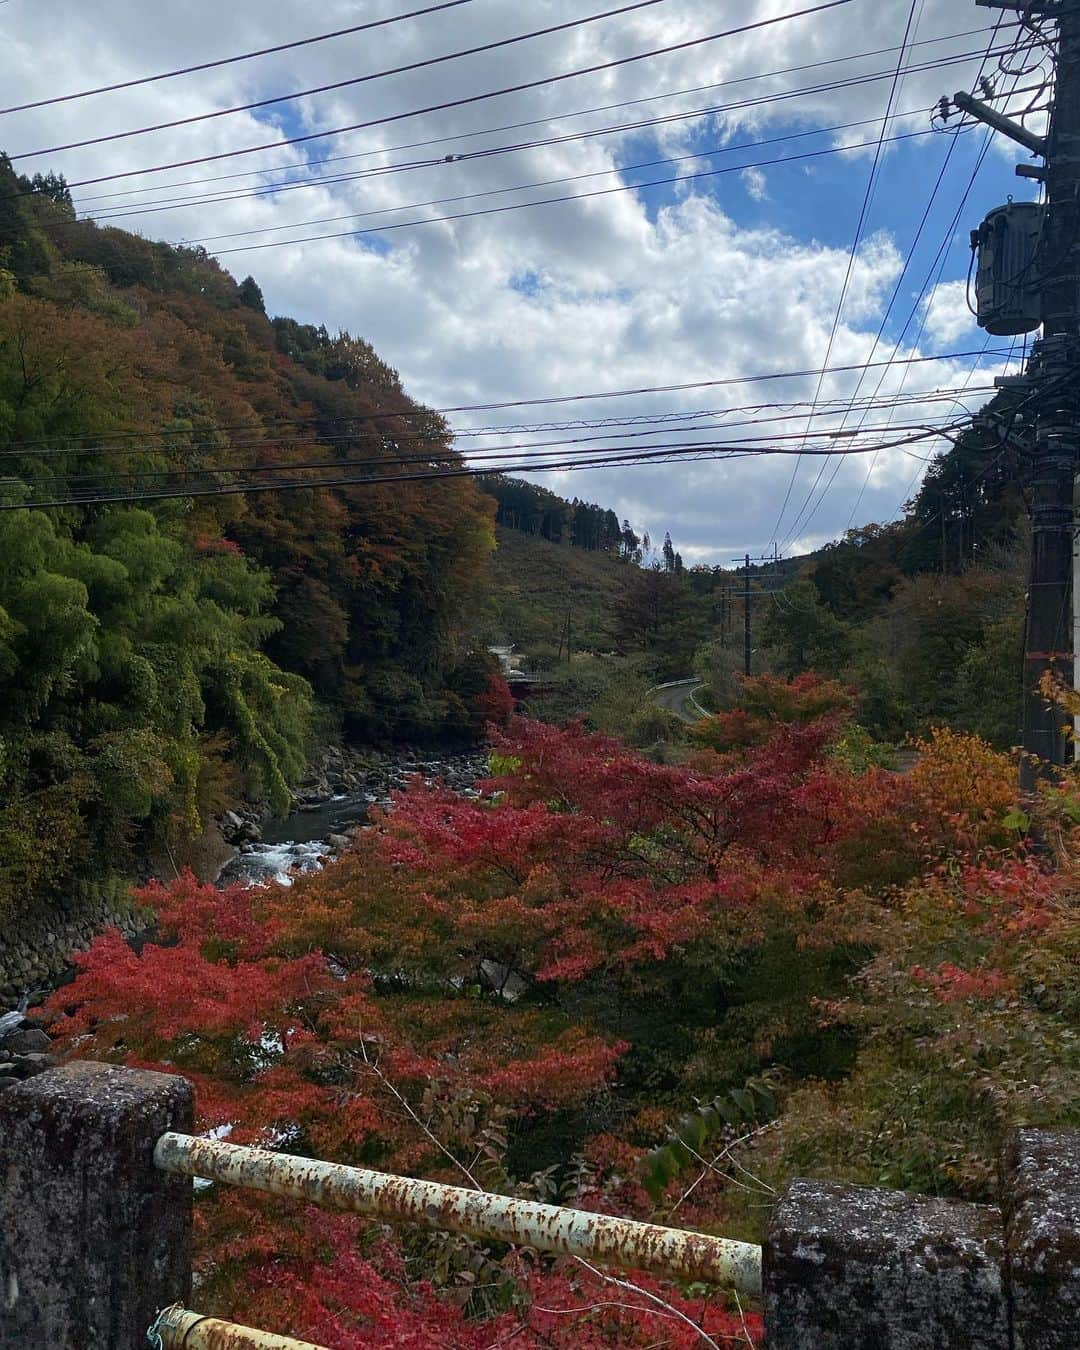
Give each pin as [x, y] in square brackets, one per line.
[804, 633]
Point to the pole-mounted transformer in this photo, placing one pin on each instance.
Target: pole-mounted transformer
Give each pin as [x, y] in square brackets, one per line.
[1008, 285]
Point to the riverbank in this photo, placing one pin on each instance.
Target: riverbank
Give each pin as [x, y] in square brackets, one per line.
[334, 800]
[244, 845]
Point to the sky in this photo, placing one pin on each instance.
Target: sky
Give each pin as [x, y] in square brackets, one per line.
[732, 269]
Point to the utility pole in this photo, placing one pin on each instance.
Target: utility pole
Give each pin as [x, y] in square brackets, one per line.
[944, 537]
[764, 558]
[1051, 377]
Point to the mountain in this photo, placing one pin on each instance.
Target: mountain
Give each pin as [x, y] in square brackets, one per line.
[171, 639]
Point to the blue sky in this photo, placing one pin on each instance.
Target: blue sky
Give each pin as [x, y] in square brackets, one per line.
[716, 278]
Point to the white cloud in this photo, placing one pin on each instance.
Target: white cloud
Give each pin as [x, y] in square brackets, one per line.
[622, 294]
[948, 318]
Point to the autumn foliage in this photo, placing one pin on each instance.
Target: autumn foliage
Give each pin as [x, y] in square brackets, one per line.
[523, 991]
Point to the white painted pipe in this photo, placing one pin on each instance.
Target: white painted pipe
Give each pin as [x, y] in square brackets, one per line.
[623, 1243]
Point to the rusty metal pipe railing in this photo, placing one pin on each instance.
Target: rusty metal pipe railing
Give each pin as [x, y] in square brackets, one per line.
[181, 1329]
[622, 1243]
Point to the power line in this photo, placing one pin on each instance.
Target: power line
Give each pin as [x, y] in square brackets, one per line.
[344, 84]
[551, 399]
[539, 121]
[154, 206]
[863, 210]
[548, 182]
[654, 424]
[459, 102]
[940, 260]
[942, 254]
[234, 489]
[804, 516]
[231, 60]
[522, 450]
[568, 197]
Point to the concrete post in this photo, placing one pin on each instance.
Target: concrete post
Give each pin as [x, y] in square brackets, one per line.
[851, 1268]
[1041, 1199]
[93, 1239]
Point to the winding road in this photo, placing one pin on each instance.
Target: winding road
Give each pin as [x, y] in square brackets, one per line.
[677, 696]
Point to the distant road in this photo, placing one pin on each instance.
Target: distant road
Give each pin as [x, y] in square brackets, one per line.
[677, 697]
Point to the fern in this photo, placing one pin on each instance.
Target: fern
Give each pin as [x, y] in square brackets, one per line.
[689, 1136]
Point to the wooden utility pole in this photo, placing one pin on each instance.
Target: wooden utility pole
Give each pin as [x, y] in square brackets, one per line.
[1051, 377]
[747, 651]
[564, 638]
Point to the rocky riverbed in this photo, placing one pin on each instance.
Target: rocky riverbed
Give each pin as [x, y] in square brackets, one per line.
[335, 799]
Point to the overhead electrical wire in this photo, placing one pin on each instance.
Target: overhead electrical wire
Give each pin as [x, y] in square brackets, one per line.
[428, 61]
[535, 121]
[234, 489]
[808, 511]
[774, 162]
[154, 206]
[553, 182]
[525, 451]
[729, 148]
[918, 472]
[542, 82]
[232, 60]
[548, 400]
[930, 283]
[927, 290]
[652, 424]
[863, 211]
[939, 262]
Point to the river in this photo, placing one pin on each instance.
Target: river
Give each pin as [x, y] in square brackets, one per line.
[316, 831]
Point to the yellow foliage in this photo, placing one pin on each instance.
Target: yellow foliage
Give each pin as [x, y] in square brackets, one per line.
[964, 790]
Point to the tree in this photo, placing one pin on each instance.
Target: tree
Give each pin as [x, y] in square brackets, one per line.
[804, 634]
[251, 295]
[826, 944]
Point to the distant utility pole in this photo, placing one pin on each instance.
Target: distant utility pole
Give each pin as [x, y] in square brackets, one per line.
[564, 638]
[1029, 271]
[748, 651]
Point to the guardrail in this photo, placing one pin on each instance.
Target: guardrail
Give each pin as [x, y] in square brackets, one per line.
[179, 1328]
[96, 1165]
[675, 1252]
[678, 684]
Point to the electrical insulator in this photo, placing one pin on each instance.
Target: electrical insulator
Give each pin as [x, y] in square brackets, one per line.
[1007, 283]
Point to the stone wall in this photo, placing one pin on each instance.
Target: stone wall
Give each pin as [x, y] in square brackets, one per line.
[36, 950]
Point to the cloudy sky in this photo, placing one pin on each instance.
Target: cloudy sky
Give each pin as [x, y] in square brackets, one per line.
[731, 268]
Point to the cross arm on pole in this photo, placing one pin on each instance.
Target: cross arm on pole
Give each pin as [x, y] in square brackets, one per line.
[1044, 8]
[984, 113]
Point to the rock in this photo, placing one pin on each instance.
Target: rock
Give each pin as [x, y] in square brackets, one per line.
[26, 1066]
[503, 980]
[31, 1041]
[231, 820]
[338, 841]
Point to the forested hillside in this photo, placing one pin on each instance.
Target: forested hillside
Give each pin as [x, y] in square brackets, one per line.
[169, 638]
[925, 616]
